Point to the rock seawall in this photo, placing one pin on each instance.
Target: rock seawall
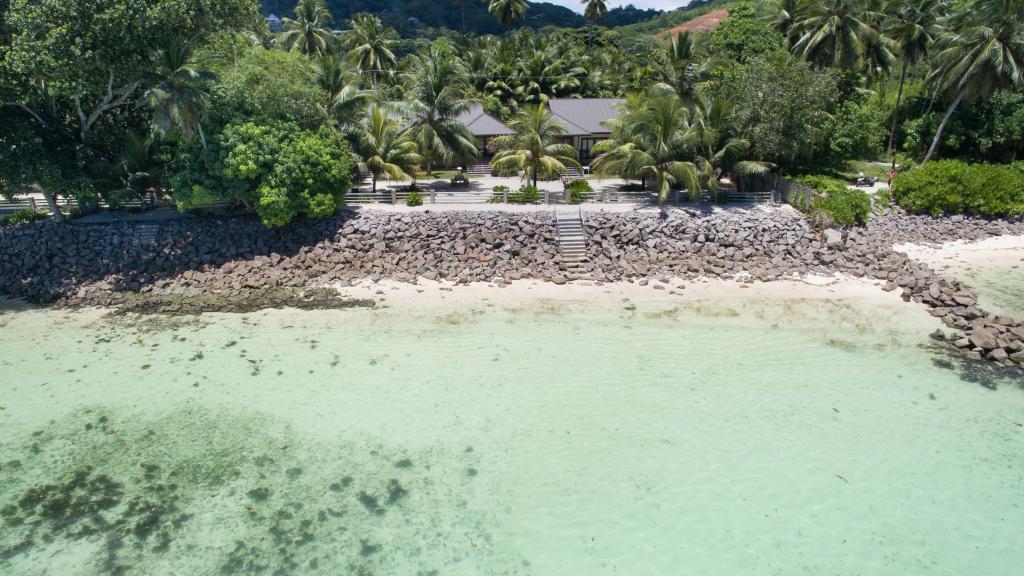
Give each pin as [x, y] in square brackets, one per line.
[81, 265]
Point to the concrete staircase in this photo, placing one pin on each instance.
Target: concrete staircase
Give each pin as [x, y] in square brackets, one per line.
[572, 242]
[482, 169]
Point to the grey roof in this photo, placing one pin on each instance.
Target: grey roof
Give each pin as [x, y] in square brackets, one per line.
[583, 116]
[481, 123]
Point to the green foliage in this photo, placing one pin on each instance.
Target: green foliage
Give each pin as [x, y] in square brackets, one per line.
[843, 206]
[24, 216]
[265, 86]
[846, 207]
[414, 199]
[954, 187]
[578, 190]
[782, 107]
[744, 36]
[279, 170]
[525, 195]
[856, 131]
[992, 130]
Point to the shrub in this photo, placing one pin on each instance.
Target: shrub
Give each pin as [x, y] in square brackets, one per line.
[499, 195]
[846, 207]
[414, 199]
[24, 216]
[525, 195]
[842, 206]
[954, 187]
[578, 189]
[631, 187]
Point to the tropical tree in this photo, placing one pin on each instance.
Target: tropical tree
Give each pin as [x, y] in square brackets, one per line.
[684, 69]
[370, 45]
[913, 26]
[177, 92]
[835, 32]
[508, 12]
[594, 11]
[384, 148]
[345, 103]
[306, 33]
[787, 14]
[650, 140]
[437, 85]
[535, 148]
[982, 51]
[716, 146]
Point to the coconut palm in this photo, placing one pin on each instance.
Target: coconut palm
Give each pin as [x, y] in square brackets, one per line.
[835, 32]
[384, 149]
[370, 45]
[306, 33]
[535, 148]
[913, 26]
[437, 85]
[684, 69]
[177, 92]
[595, 10]
[508, 12]
[787, 14]
[717, 148]
[981, 52]
[650, 140]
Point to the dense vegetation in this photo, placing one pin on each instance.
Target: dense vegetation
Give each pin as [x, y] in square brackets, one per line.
[954, 187]
[106, 99]
[426, 17]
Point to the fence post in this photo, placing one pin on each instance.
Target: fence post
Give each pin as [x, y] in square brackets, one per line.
[504, 196]
[433, 196]
[547, 197]
[394, 196]
[32, 203]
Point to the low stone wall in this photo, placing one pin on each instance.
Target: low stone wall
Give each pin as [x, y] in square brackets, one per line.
[78, 265]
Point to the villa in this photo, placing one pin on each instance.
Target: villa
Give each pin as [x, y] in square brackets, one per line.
[584, 120]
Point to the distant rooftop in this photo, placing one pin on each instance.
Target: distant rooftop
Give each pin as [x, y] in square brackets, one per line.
[481, 124]
[584, 116]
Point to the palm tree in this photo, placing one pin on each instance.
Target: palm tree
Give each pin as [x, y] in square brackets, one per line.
[835, 32]
[462, 9]
[437, 84]
[370, 45]
[982, 51]
[595, 10]
[684, 69]
[306, 32]
[718, 149]
[508, 12]
[345, 102]
[913, 25]
[787, 14]
[535, 148]
[177, 92]
[649, 140]
[384, 149]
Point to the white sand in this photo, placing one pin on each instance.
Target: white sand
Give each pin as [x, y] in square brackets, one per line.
[998, 251]
[813, 288]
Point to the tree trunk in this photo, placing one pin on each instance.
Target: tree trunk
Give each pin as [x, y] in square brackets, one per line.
[202, 136]
[942, 125]
[374, 73]
[52, 203]
[896, 114]
[374, 189]
[462, 5]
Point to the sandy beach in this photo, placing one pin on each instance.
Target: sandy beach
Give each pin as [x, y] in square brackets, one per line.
[998, 251]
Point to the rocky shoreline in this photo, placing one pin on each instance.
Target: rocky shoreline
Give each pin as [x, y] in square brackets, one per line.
[195, 266]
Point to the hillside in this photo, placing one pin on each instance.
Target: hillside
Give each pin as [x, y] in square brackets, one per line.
[407, 16]
[659, 25]
[704, 23]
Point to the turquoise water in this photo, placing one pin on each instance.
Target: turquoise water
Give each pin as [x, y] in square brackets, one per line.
[744, 437]
[1000, 288]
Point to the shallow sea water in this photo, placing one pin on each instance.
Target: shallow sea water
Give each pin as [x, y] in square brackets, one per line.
[1000, 288]
[746, 437]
